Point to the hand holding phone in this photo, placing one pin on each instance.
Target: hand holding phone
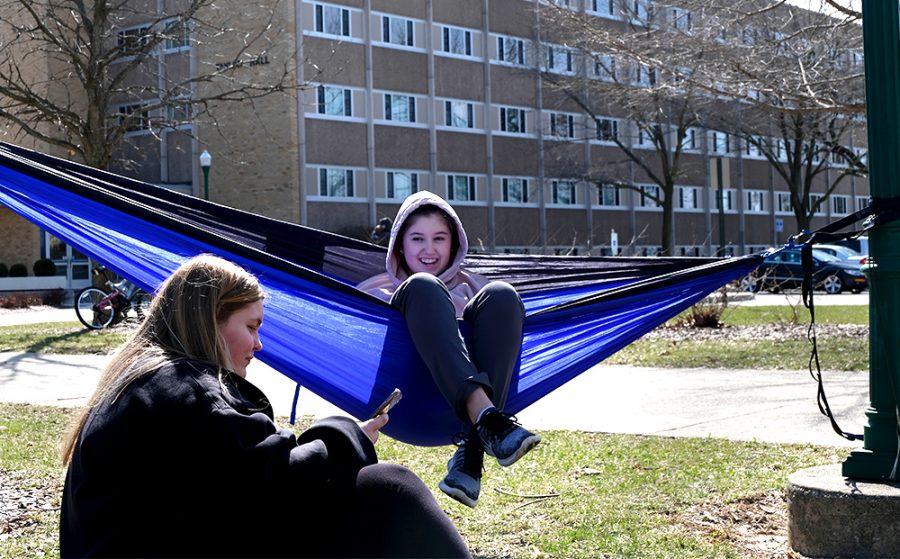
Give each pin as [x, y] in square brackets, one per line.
[388, 403]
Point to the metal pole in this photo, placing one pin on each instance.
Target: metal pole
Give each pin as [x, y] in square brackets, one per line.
[721, 181]
[205, 182]
[878, 459]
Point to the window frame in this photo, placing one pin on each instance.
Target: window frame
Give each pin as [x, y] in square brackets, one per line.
[387, 27]
[324, 175]
[319, 19]
[452, 185]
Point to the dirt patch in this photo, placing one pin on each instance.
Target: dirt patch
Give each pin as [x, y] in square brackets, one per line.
[21, 501]
[756, 527]
[775, 332]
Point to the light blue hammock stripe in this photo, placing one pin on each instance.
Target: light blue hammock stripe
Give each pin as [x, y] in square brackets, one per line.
[352, 350]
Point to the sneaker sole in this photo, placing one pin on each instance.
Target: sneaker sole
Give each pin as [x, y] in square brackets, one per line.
[523, 449]
[457, 494]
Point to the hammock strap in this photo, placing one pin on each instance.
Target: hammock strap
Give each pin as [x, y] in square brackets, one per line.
[807, 289]
[294, 404]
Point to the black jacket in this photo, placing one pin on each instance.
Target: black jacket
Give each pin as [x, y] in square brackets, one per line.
[178, 467]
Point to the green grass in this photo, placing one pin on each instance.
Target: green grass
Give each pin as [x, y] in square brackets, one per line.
[61, 338]
[618, 495]
[785, 314]
[836, 354]
[843, 354]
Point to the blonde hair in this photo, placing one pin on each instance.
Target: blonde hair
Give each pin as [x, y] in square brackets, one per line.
[183, 322]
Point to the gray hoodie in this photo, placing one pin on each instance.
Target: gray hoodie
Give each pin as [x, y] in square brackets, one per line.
[463, 285]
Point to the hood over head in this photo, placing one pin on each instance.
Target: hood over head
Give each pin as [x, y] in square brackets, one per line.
[413, 202]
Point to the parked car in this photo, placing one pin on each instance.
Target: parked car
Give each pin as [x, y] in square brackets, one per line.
[859, 244]
[784, 270]
[844, 253]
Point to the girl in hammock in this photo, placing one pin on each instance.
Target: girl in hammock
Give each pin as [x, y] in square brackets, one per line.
[425, 282]
[177, 454]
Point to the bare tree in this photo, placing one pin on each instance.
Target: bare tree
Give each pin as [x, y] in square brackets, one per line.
[655, 107]
[80, 74]
[787, 82]
[797, 79]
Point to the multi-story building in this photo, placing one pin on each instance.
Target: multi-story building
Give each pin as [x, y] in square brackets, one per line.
[405, 95]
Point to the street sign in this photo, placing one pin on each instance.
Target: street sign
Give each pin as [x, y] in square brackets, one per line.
[779, 225]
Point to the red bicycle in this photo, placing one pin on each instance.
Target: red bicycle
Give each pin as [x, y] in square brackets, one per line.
[98, 309]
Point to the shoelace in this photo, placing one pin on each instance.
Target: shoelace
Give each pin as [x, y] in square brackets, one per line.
[472, 454]
[498, 424]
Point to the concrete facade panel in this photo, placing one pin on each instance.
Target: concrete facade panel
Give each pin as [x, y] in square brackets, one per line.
[398, 70]
[334, 62]
[508, 17]
[331, 142]
[517, 227]
[408, 147]
[463, 13]
[515, 156]
[458, 79]
[461, 152]
[512, 86]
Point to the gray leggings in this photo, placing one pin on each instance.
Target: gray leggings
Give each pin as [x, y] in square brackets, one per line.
[496, 315]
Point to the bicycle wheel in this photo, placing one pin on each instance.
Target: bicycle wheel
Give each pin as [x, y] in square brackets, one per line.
[93, 308]
[141, 304]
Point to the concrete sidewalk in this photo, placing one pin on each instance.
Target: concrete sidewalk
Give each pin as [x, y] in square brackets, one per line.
[765, 405]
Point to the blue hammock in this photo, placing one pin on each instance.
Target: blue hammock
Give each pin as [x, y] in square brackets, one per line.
[345, 345]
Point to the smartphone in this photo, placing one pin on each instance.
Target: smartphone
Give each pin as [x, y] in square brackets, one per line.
[388, 403]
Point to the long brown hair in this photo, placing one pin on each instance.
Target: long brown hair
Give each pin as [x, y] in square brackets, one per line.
[183, 322]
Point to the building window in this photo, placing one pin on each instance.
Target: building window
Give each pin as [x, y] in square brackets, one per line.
[681, 19]
[334, 101]
[645, 76]
[399, 184]
[605, 67]
[724, 199]
[132, 41]
[720, 142]
[689, 198]
[332, 20]
[563, 192]
[511, 50]
[754, 148]
[178, 113]
[650, 197]
[336, 183]
[177, 35]
[783, 204]
[515, 190]
[605, 8]
[607, 129]
[609, 195]
[457, 41]
[459, 114]
[840, 204]
[645, 139]
[756, 201]
[399, 108]
[460, 187]
[813, 200]
[134, 118]
[397, 31]
[559, 59]
[562, 125]
[691, 140]
[862, 202]
[512, 120]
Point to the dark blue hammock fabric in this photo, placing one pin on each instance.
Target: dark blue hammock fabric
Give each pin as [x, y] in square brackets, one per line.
[344, 345]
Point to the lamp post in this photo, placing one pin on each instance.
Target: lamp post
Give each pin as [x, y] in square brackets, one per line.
[877, 460]
[205, 164]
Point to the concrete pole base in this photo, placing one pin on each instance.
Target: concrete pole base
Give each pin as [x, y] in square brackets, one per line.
[830, 515]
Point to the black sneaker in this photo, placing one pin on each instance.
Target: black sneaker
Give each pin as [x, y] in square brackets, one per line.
[463, 479]
[504, 438]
